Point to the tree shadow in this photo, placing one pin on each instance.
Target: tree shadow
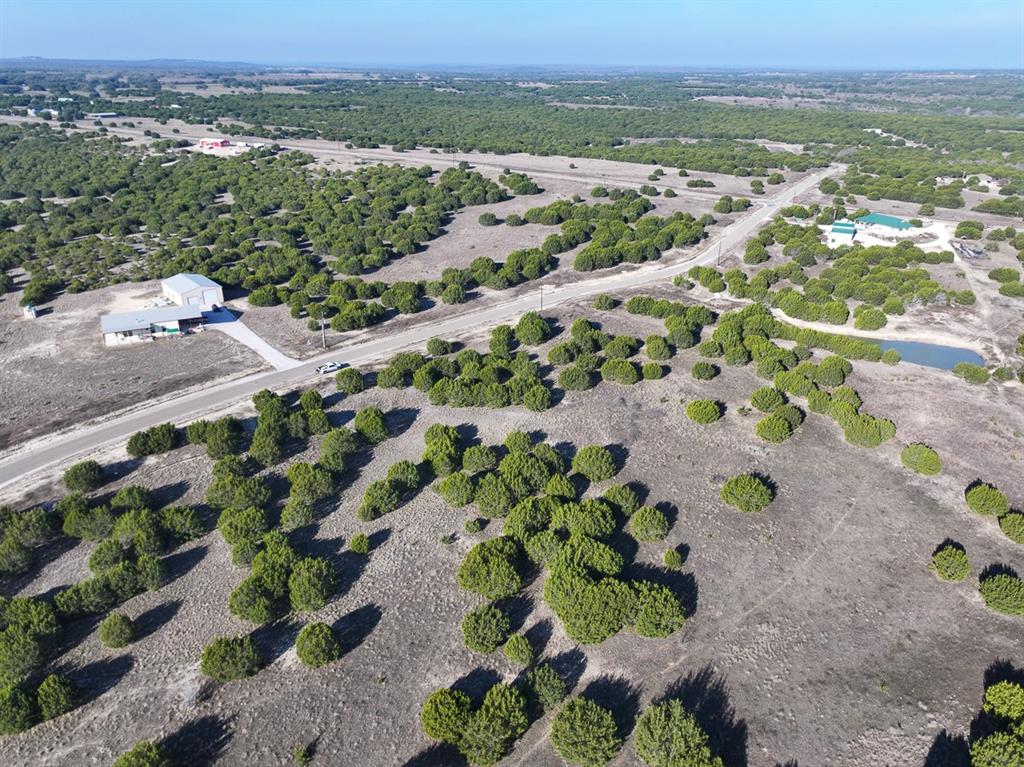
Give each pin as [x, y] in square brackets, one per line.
[200, 742]
[477, 682]
[620, 453]
[670, 510]
[400, 419]
[438, 755]
[353, 628]
[155, 617]
[273, 640]
[706, 696]
[618, 695]
[517, 608]
[997, 568]
[180, 562]
[165, 495]
[949, 542]
[96, 678]
[569, 665]
[683, 585]
[120, 469]
[948, 751]
[469, 434]
[538, 635]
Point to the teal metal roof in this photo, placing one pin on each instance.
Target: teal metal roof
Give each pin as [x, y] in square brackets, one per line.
[884, 220]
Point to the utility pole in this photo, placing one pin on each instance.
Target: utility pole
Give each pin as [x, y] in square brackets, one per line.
[323, 333]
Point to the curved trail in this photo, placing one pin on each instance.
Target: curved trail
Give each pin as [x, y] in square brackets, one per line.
[24, 460]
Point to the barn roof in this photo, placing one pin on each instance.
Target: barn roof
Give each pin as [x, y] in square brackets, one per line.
[182, 283]
[125, 321]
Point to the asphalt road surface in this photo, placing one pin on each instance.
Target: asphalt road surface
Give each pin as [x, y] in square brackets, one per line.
[45, 452]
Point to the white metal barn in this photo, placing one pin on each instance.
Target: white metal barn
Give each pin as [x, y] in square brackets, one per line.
[193, 290]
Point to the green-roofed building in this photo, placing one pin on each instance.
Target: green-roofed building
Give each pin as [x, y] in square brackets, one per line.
[880, 219]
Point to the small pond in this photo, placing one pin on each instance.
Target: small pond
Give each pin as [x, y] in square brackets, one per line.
[931, 355]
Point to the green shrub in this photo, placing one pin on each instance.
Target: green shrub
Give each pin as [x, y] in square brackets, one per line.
[16, 710]
[891, 357]
[667, 735]
[229, 658]
[1012, 525]
[950, 562]
[369, 423]
[622, 497]
[921, 458]
[652, 371]
[767, 398]
[595, 462]
[1003, 593]
[84, 477]
[704, 371]
[456, 489]
[620, 371]
[349, 381]
[648, 524]
[1005, 700]
[1000, 749]
[584, 733]
[310, 584]
[56, 695]
[659, 612]
[774, 428]
[986, 500]
[544, 688]
[673, 559]
[145, 753]
[574, 378]
[359, 544]
[490, 569]
[381, 497]
[492, 728]
[604, 302]
[704, 411]
[518, 651]
[316, 645]
[973, 374]
[747, 493]
[445, 714]
[485, 629]
[869, 318]
[116, 631]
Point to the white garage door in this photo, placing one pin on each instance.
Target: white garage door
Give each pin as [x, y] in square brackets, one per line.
[209, 297]
[193, 300]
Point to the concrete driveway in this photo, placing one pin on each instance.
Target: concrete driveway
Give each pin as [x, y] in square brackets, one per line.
[226, 322]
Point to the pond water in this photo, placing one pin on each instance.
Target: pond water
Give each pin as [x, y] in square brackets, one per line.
[931, 355]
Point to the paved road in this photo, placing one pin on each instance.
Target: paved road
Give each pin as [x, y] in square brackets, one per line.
[43, 453]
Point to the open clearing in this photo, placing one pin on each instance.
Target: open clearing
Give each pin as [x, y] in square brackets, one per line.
[57, 372]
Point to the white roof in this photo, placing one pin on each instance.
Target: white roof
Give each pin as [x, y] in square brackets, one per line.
[183, 283]
[125, 321]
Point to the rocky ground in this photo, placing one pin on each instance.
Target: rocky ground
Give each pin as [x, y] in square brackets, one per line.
[817, 634]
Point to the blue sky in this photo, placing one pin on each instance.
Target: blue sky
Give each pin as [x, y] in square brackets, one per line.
[923, 34]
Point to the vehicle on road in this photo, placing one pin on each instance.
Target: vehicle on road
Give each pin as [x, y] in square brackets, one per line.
[329, 367]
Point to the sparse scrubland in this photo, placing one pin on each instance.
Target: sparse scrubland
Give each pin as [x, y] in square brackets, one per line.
[639, 528]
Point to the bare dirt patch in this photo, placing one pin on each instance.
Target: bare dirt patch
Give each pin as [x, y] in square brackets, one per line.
[57, 372]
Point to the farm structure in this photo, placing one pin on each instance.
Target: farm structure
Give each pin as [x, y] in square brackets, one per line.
[192, 290]
[147, 324]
